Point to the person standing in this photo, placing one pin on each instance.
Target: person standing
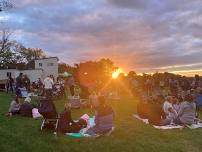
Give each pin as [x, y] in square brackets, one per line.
[19, 84]
[48, 86]
[71, 84]
[9, 84]
[26, 82]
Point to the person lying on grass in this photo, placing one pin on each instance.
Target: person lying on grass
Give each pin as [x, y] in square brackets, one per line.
[104, 117]
[14, 107]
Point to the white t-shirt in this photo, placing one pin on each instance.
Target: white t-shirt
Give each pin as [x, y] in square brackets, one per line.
[166, 106]
[48, 83]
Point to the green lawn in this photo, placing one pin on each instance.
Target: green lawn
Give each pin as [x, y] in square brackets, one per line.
[23, 134]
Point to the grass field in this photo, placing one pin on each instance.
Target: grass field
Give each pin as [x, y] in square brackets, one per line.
[23, 134]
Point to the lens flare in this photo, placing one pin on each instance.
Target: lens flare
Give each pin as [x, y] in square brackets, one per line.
[116, 73]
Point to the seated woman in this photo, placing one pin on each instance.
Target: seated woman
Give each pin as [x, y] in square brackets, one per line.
[14, 107]
[187, 112]
[169, 110]
[155, 111]
[66, 124]
[26, 108]
[177, 102]
[143, 107]
[103, 118]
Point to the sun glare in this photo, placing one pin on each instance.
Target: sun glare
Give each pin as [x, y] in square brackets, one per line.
[116, 73]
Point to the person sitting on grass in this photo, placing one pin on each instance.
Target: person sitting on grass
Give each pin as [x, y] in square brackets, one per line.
[65, 119]
[170, 112]
[26, 108]
[187, 112]
[14, 107]
[93, 99]
[104, 117]
[155, 111]
[177, 102]
[66, 124]
[143, 107]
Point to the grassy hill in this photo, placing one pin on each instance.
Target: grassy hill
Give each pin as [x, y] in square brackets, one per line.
[23, 134]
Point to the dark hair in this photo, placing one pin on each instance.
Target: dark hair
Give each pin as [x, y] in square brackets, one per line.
[180, 99]
[189, 98]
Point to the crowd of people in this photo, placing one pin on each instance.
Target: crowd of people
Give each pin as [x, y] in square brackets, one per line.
[169, 100]
[163, 99]
[103, 113]
[39, 87]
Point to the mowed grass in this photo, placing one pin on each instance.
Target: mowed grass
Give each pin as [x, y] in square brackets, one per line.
[130, 135]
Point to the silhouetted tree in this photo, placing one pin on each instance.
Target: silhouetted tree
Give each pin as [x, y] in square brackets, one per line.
[32, 53]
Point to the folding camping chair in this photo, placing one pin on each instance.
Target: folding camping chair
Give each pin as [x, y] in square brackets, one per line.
[198, 104]
[48, 123]
[50, 116]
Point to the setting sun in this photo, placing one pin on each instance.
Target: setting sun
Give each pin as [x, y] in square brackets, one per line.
[116, 73]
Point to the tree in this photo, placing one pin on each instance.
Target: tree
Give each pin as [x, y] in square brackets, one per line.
[95, 72]
[63, 67]
[32, 53]
[9, 50]
[132, 74]
[107, 67]
[5, 5]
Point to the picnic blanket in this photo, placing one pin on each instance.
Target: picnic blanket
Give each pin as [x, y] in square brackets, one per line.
[173, 126]
[82, 132]
[195, 126]
[146, 121]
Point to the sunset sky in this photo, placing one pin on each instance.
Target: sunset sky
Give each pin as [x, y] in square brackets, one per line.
[140, 35]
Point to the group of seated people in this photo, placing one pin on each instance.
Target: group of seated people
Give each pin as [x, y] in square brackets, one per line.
[103, 114]
[161, 111]
[21, 107]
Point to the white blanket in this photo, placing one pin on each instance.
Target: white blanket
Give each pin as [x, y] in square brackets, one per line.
[195, 126]
[158, 127]
[169, 127]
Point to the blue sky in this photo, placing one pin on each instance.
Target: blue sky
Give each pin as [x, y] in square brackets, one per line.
[141, 35]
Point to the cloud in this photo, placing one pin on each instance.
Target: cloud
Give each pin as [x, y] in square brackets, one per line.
[144, 35]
